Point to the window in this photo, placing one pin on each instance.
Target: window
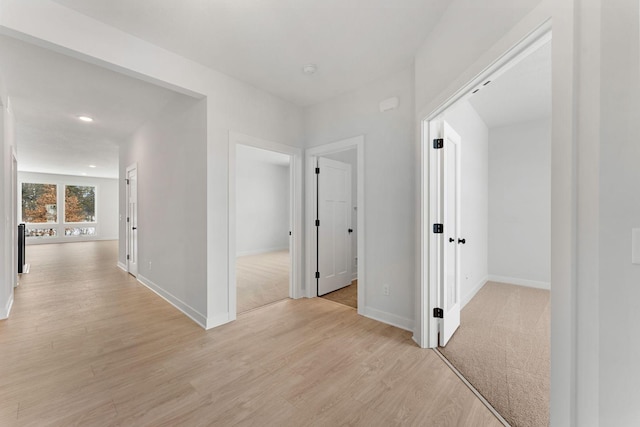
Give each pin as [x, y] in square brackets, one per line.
[79, 204]
[39, 203]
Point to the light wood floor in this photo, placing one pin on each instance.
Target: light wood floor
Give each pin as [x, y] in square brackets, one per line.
[347, 296]
[261, 279]
[87, 345]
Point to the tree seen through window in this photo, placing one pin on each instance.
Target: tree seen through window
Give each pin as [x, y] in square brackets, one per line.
[79, 203]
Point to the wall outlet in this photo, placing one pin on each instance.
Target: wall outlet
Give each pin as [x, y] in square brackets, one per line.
[385, 290]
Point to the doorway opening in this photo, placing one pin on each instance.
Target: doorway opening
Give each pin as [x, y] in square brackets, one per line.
[335, 222]
[487, 234]
[264, 222]
[132, 219]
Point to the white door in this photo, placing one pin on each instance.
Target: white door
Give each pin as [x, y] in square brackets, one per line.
[132, 220]
[334, 215]
[451, 240]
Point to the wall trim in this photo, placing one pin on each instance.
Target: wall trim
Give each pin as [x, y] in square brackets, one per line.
[218, 320]
[185, 308]
[4, 314]
[469, 296]
[520, 282]
[262, 251]
[388, 318]
[122, 266]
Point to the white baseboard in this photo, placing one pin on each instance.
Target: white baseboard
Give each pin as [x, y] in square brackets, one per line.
[388, 318]
[189, 311]
[469, 296]
[4, 313]
[221, 319]
[122, 266]
[520, 282]
[261, 251]
[354, 277]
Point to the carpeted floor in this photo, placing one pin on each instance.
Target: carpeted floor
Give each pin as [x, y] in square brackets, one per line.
[345, 296]
[261, 279]
[502, 349]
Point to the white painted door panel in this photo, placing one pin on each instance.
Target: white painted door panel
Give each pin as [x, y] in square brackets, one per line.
[132, 223]
[450, 294]
[334, 239]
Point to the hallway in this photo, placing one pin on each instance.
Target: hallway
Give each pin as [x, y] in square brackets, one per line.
[87, 345]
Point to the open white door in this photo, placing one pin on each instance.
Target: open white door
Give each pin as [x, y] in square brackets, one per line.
[334, 231]
[132, 220]
[450, 245]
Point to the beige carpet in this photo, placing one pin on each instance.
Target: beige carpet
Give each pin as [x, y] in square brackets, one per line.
[261, 279]
[345, 296]
[502, 348]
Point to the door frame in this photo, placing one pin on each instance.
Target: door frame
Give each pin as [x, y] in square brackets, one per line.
[295, 213]
[133, 166]
[311, 155]
[427, 334]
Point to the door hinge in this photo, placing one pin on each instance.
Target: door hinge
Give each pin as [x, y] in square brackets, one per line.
[438, 143]
[317, 223]
[289, 233]
[127, 219]
[127, 181]
[438, 228]
[438, 313]
[127, 256]
[317, 171]
[317, 274]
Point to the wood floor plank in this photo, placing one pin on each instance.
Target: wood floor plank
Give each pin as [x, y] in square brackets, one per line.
[99, 349]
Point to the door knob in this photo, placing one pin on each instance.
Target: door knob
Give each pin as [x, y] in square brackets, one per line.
[350, 230]
[451, 239]
[463, 241]
[134, 228]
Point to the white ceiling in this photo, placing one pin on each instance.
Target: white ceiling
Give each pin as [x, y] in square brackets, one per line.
[522, 93]
[267, 43]
[49, 90]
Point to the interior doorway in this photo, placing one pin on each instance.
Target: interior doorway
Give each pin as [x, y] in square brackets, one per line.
[335, 222]
[264, 222]
[132, 219]
[497, 289]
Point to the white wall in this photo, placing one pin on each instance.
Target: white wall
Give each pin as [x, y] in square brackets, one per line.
[619, 202]
[520, 203]
[170, 152]
[351, 157]
[8, 270]
[389, 186]
[474, 220]
[106, 205]
[262, 203]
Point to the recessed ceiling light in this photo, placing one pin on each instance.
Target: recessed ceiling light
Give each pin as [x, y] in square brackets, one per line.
[310, 69]
[85, 119]
[92, 166]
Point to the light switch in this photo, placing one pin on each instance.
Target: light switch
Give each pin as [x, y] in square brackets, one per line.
[635, 246]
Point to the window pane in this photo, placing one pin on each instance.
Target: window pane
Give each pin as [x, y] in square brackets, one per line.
[79, 203]
[41, 232]
[39, 203]
[80, 231]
